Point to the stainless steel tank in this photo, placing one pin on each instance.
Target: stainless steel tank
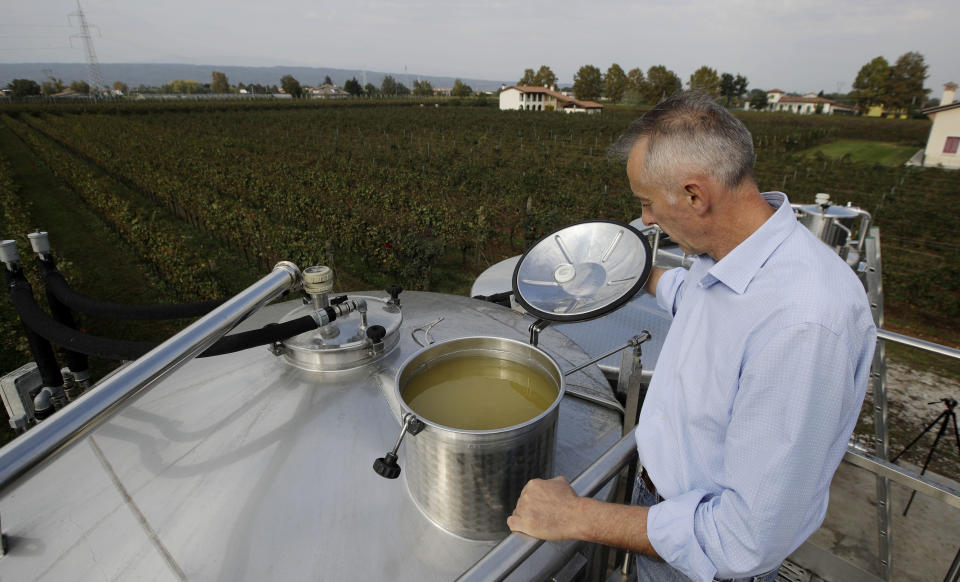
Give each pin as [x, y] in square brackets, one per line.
[468, 481]
[831, 224]
[248, 467]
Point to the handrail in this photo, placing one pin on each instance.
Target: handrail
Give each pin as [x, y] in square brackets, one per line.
[918, 343]
[97, 404]
[860, 458]
[504, 558]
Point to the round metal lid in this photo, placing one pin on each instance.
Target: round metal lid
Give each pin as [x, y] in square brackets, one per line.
[582, 271]
[830, 211]
[343, 344]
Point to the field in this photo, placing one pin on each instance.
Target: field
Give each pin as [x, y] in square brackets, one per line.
[179, 202]
[871, 152]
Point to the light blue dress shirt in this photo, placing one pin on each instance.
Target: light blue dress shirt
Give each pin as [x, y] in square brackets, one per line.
[756, 392]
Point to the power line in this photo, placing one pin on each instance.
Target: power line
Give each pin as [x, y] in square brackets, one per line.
[93, 66]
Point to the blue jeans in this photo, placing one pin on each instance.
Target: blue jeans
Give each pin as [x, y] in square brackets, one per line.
[650, 569]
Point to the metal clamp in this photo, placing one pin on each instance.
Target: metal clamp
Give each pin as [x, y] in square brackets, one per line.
[535, 328]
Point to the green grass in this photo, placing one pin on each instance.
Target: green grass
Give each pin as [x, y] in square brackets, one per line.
[871, 152]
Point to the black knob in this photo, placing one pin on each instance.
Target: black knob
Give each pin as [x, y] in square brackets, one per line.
[387, 466]
[394, 291]
[376, 333]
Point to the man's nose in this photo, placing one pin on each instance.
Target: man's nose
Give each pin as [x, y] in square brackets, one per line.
[647, 217]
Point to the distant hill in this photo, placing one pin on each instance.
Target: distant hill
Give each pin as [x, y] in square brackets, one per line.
[157, 74]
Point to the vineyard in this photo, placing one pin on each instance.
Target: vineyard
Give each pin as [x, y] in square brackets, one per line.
[208, 197]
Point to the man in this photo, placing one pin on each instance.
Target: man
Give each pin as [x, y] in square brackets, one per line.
[760, 379]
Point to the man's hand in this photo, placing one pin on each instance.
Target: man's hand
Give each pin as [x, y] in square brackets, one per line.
[551, 510]
[548, 510]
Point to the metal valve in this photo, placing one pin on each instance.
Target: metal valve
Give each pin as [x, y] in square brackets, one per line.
[393, 305]
[386, 466]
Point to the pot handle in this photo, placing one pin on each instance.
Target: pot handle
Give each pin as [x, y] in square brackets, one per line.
[386, 466]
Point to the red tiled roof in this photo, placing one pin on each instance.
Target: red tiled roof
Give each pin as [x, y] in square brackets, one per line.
[776, 91]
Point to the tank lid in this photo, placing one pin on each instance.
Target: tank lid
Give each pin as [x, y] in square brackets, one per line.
[582, 271]
[344, 344]
[823, 207]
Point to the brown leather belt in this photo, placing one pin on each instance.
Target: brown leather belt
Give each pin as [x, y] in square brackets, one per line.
[646, 481]
[649, 485]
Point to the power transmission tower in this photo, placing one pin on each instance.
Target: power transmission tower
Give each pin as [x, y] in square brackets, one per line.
[93, 66]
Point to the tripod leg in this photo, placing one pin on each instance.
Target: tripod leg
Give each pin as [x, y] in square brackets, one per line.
[919, 436]
[933, 447]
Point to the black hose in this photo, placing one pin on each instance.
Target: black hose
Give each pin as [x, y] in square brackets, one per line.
[43, 325]
[268, 334]
[36, 320]
[40, 348]
[76, 361]
[57, 285]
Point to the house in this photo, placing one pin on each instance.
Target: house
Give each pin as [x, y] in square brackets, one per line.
[527, 98]
[943, 142]
[807, 104]
[881, 111]
[442, 91]
[327, 91]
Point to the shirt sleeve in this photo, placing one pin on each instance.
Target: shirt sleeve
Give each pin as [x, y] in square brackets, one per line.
[795, 408]
[670, 289]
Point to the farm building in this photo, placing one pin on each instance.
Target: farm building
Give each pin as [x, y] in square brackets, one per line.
[777, 100]
[529, 98]
[326, 91]
[943, 142]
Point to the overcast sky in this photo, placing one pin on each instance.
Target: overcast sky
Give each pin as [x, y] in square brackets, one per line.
[792, 45]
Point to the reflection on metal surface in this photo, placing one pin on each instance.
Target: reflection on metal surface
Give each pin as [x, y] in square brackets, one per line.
[499, 562]
[582, 271]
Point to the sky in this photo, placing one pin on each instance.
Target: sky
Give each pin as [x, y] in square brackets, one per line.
[791, 45]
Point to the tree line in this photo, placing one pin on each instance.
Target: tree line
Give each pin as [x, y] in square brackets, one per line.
[633, 86]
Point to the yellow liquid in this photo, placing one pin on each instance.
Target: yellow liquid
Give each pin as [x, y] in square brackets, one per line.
[479, 393]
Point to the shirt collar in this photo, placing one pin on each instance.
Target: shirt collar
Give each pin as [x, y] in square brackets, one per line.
[740, 265]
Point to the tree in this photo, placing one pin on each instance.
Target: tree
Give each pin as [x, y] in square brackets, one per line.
[461, 89]
[219, 84]
[327, 80]
[291, 86]
[353, 87]
[705, 79]
[529, 78]
[23, 87]
[588, 83]
[616, 83]
[758, 99]
[121, 87]
[661, 83]
[544, 77]
[422, 88]
[872, 83]
[732, 87]
[53, 86]
[81, 87]
[402, 89]
[388, 86]
[906, 81]
[371, 90]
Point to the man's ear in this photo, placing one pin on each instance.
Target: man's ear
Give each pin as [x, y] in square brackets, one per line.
[697, 195]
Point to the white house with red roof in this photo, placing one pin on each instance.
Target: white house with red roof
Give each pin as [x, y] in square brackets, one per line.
[528, 98]
[943, 143]
[808, 104]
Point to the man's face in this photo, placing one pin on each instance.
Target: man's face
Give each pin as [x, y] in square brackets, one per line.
[666, 209]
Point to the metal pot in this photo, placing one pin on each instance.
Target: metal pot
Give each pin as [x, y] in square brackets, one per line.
[468, 481]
